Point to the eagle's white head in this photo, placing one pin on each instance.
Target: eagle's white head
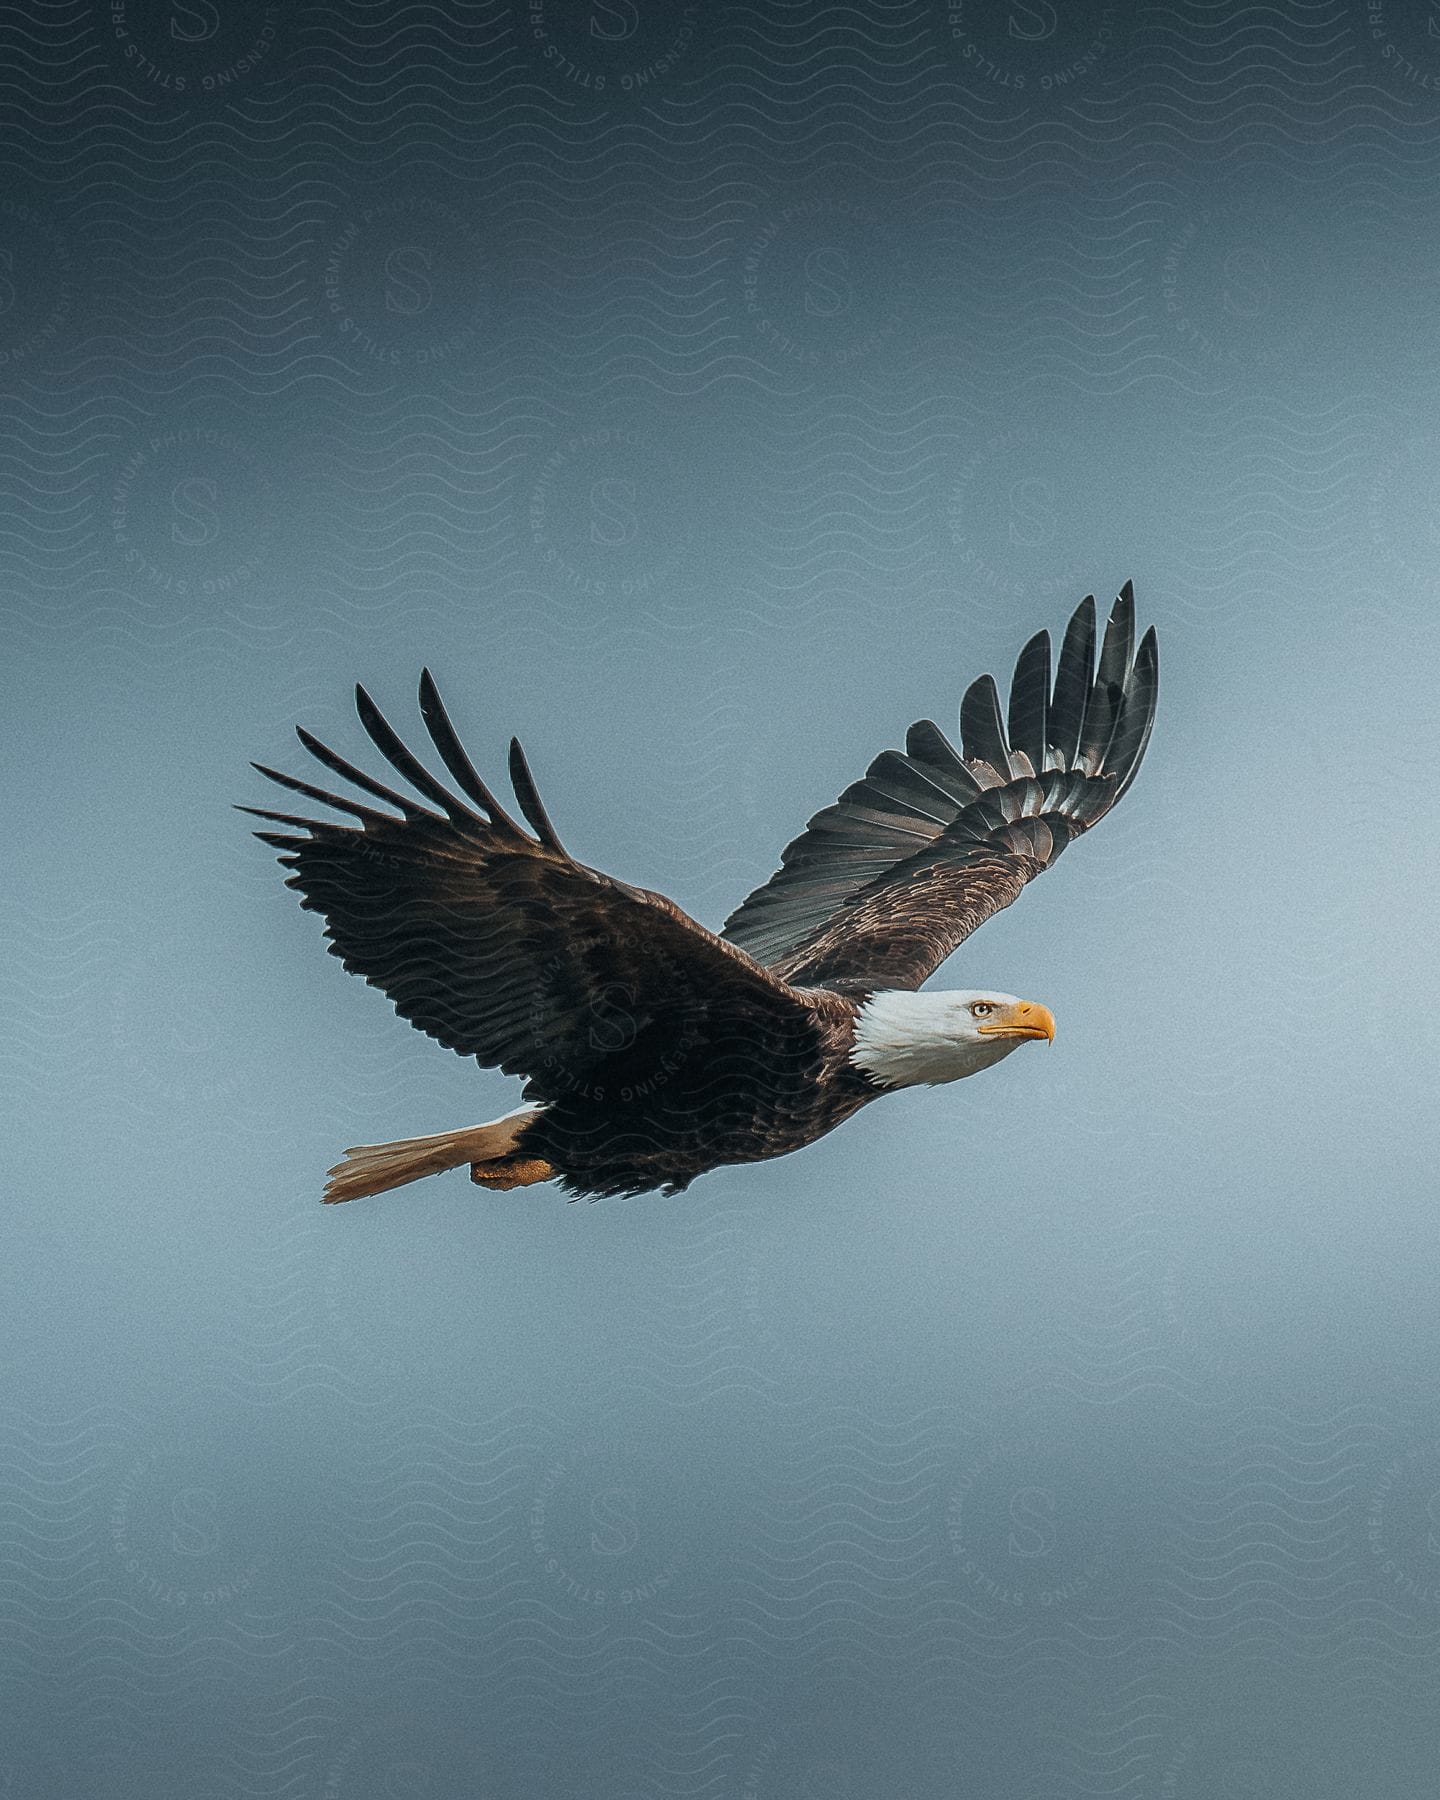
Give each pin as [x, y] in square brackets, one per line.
[902, 1039]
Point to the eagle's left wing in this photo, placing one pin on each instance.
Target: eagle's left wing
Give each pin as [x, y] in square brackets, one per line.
[882, 886]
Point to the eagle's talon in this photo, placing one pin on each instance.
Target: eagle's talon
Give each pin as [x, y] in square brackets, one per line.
[510, 1172]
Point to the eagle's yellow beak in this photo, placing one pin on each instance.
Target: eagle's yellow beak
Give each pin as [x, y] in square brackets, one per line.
[1026, 1019]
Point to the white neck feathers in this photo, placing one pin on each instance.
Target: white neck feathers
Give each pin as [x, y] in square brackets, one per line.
[904, 1040]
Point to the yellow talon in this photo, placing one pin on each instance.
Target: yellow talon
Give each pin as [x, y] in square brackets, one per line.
[511, 1172]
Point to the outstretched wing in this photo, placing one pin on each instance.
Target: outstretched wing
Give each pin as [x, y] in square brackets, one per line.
[882, 886]
[499, 943]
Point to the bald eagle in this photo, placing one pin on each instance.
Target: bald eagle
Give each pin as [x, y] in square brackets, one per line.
[652, 1049]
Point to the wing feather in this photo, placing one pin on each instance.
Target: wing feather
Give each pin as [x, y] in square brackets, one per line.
[1029, 710]
[982, 732]
[531, 804]
[1137, 714]
[927, 746]
[1072, 686]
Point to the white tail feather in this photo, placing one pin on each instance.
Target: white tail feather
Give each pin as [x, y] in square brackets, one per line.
[376, 1168]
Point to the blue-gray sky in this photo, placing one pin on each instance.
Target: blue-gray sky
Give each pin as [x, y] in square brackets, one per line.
[704, 393]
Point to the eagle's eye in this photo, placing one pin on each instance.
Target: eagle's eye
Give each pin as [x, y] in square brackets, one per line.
[981, 1009]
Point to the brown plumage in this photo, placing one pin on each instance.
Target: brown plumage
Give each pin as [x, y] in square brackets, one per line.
[653, 1049]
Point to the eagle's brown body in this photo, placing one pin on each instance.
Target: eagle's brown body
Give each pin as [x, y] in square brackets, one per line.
[653, 1049]
[674, 1104]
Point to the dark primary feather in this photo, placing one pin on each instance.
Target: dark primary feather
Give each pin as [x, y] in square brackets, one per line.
[982, 732]
[530, 802]
[501, 945]
[1072, 685]
[880, 887]
[1029, 714]
[452, 754]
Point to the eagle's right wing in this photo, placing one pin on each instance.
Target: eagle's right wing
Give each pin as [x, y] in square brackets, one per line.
[882, 886]
[502, 946]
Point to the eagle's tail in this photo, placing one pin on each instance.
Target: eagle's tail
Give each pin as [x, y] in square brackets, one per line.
[491, 1150]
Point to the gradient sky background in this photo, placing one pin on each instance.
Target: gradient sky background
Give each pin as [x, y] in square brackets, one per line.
[705, 393]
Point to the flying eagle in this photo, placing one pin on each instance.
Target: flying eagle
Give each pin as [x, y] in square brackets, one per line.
[654, 1050]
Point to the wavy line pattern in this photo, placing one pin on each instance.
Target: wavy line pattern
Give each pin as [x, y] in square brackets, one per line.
[705, 393]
